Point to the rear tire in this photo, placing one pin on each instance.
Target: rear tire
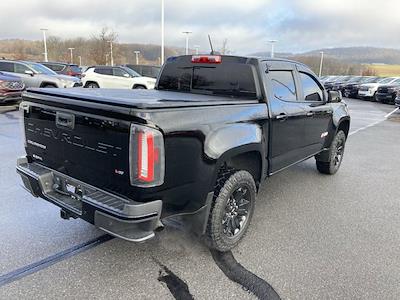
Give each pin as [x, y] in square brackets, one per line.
[139, 87]
[232, 210]
[49, 86]
[336, 152]
[92, 85]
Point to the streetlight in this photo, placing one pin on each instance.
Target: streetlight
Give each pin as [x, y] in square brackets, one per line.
[162, 32]
[80, 60]
[111, 53]
[321, 63]
[137, 52]
[107, 55]
[197, 47]
[272, 47]
[187, 41]
[45, 43]
[72, 56]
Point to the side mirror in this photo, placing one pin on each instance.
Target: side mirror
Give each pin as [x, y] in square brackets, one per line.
[127, 75]
[334, 96]
[29, 72]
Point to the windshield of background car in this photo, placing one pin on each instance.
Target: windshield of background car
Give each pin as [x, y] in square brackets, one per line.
[41, 69]
[131, 72]
[371, 80]
[75, 69]
[355, 80]
[386, 80]
[233, 79]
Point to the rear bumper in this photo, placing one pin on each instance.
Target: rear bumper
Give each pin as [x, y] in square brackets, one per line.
[126, 219]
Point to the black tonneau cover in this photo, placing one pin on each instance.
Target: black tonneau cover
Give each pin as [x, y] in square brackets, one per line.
[142, 99]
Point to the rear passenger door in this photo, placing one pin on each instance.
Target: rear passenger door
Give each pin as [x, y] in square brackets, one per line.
[287, 116]
[104, 77]
[122, 79]
[318, 112]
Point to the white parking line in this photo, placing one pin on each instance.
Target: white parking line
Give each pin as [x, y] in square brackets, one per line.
[375, 123]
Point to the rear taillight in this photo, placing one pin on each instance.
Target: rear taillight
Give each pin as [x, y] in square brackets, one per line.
[206, 59]
[146, 156]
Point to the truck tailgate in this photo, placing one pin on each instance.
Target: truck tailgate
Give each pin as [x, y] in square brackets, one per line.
[80, 145]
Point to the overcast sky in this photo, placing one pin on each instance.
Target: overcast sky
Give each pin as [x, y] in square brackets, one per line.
[299, 25]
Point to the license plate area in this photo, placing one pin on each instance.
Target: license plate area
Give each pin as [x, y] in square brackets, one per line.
[67, 193]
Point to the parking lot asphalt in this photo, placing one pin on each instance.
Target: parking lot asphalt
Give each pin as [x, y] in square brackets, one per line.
[312, 236]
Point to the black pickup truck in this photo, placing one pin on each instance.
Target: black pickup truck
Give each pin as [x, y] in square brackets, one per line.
[195, 149]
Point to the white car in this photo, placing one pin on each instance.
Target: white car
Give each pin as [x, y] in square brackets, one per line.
[368, 90]
[115, 78]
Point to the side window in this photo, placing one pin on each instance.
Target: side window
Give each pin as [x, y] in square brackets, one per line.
[20, 69]
[103, 71]
[6, 66]
[283, 86]
[120, 73]
[55, 67]
[312, 90]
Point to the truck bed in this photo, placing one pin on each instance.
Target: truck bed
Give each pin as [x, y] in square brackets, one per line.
[131, 99]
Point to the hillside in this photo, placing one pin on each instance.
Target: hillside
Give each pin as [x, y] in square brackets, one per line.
[355, 55]
[91, 51]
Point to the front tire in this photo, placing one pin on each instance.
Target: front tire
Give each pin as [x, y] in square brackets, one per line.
[232, 210]
[336, 152]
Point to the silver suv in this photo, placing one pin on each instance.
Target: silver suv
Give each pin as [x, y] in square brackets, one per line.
[37, 75]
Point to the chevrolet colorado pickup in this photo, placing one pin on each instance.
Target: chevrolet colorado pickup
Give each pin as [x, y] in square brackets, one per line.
[195, 149]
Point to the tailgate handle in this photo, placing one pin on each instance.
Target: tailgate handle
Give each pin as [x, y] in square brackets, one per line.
[65, 120]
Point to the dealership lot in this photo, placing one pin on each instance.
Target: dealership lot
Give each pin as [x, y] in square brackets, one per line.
[312, 236]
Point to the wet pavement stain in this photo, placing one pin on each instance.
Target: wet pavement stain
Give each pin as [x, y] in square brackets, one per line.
[237, 273]
[178, 288]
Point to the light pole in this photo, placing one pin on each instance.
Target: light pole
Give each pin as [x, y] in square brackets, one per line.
[111, 54]
[45, 43]
[107, 59]
[162, 32]
[272, 47]
[72, 55]
[187, 41]
[321, 63]
[80, 60]
[137, 52]
[197, 47]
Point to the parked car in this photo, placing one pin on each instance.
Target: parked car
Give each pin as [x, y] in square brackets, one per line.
[339, 84]
[350, 89]
[115, 78]
[145, 70]
[195, 148]
[64, 68]
[387, 93]
[11, 88]
[369, 90]
[339, 79]
[397, 100]
[36, 75]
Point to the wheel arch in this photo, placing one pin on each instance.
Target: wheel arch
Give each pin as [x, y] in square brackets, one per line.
[91, 81]
[139, 84]
[46, 83]
[245, 157]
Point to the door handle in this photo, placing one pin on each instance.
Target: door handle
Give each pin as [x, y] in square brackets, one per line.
[282, 117]
[309, 114]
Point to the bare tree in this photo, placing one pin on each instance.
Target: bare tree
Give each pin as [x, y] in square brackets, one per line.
[224, 48]
[100, 46]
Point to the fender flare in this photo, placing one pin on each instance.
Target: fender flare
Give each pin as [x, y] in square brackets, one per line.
[234, 140]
